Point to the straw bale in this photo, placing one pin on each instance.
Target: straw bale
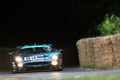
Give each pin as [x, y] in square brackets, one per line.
[99, 50]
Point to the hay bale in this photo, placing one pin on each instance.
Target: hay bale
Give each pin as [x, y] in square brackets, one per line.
[86, 51]
[99, 50]
[116, 48]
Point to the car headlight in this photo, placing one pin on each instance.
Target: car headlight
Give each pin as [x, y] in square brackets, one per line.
[18, 59]
[54, 63]
[55, 57]
[20, 65]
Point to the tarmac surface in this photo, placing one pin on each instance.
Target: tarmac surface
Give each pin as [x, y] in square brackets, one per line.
[67, 72]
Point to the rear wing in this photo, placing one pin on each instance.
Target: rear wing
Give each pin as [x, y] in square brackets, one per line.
[18, 47]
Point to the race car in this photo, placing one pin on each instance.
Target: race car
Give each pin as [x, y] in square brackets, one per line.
[36, 57]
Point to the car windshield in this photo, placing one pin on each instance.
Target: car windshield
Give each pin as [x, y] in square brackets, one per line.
[35, 50]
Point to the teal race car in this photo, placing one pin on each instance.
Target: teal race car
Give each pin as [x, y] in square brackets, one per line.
[36, 57]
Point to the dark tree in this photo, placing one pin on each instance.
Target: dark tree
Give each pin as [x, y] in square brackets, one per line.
[59, 22]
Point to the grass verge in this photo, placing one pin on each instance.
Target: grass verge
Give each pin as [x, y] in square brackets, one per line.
[10, 78]
[93, 66]
[90, 77]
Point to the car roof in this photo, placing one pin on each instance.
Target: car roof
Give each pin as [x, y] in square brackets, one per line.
[34, 46]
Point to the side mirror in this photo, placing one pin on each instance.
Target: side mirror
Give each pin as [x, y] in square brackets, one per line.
[60, 50]
[10, 53]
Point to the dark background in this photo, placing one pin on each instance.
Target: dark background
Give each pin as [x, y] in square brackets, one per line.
[60, 22]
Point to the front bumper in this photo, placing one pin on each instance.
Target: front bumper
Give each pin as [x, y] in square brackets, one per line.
[36, 66]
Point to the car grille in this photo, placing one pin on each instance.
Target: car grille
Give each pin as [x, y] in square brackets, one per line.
[38, 63]
[33, 57]
[38, 68]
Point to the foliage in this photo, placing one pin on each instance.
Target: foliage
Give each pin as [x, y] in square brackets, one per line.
[89, 66]
[104, 67]
[94, 66]
[111, 25]
[62, 22]
[87, 15]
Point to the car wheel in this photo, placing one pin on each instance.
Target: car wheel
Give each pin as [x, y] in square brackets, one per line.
[60, 68]
[13, 71]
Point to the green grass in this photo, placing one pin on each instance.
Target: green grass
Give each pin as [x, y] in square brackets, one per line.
[10, 78]
[93, 66]
[90, 77]
[89, 66]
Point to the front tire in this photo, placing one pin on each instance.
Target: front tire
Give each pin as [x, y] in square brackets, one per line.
[14, 68]
[13, 71]
[60, 68]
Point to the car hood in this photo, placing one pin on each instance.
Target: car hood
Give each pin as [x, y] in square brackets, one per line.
[39, 54]
[34, 54]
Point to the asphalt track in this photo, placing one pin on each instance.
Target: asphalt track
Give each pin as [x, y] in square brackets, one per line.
[67, 72]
